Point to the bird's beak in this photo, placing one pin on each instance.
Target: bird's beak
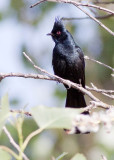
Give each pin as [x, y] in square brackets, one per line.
[50, 34]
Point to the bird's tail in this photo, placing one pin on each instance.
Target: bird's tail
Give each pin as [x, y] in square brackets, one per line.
[75, 99]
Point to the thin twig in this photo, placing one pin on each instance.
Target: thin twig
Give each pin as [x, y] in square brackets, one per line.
[81, 18]
[78, 4]
[96, 20]
[9, 151]
[35, 66]
[100, 2]
[31, 135]
[94, 6]
[99, 90]
[75, 3]
[37, 3]
[14, 143]
[93, 60]
[21, 112]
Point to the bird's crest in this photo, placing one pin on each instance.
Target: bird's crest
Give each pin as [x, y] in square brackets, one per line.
[57, 19]
[58, 22]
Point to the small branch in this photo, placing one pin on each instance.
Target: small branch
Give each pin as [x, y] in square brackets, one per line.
[94, 6]
[104, 92]
[81, 18]
[21, 112]
[54, 78]
[41, 1]
[75, 3]
[14, 143]
[93, 60]
[96, 20]
[31, 135]
[35, 66]
[9, 151]
[99, 2]
[99, 90]
[78, 4]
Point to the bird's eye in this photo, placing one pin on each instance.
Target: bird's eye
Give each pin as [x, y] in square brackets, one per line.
[58, 33]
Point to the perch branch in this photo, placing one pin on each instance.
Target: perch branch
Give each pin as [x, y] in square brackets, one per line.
[54, 78]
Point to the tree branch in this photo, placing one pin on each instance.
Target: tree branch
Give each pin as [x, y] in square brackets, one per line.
[108, 2]
[9, 151]
[54, 78]
[93, 60]
[81, 18]
[78, 4]
[75, 3]
[14, 143]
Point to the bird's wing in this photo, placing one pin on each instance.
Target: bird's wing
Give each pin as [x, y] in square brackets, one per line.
[80, 64]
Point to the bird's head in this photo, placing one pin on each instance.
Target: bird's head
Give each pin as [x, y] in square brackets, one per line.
[58, 32]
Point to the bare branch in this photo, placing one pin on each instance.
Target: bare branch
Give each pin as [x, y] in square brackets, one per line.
[96, 20]
[105, 65]
[21, 112]
[81, 18]
[100, 2]
[41, 1]
[14, 143]
[54, 78]
[99, 90]
[78, 4]
[75, 3]
[36, 67]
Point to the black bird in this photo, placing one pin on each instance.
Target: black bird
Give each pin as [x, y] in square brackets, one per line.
[68, 63]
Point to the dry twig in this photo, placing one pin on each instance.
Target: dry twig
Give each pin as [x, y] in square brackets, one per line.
[81, 18]
[101, 2]
[78, 4]
[54, 78]
[93, 60]
[14, 143]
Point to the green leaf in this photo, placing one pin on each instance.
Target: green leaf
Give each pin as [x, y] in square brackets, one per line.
[4, 155]
[48, 117]
[79, 156]
[4, 111]
[61, 156]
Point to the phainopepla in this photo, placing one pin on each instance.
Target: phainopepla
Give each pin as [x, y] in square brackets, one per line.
[68, 63]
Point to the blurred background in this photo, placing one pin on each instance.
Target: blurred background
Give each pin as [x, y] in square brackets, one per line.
[23, 29]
